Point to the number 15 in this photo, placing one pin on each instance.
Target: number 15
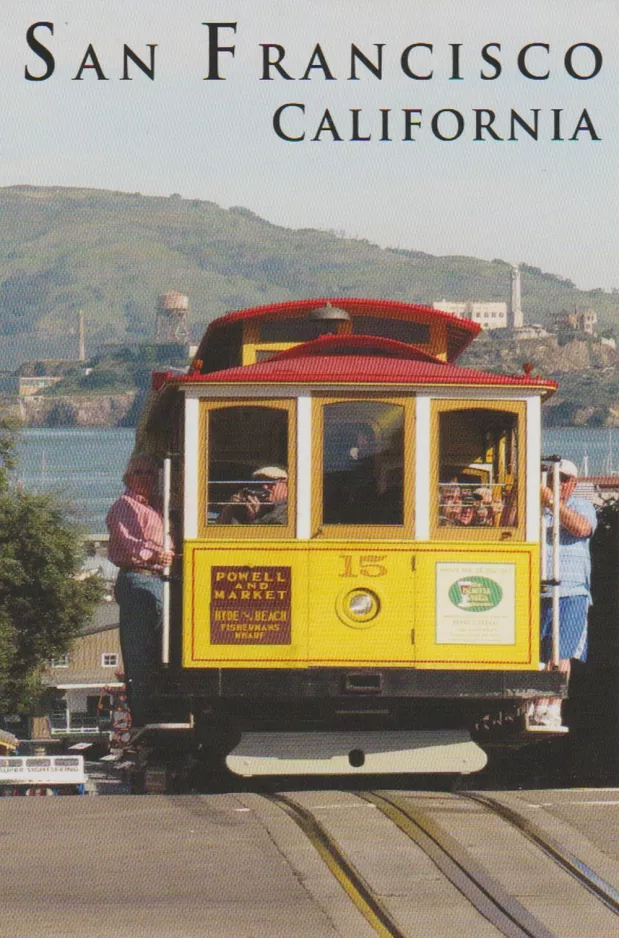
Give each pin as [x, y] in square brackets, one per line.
[366, 565]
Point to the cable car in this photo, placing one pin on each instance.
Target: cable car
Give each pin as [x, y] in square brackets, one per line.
[359, 520]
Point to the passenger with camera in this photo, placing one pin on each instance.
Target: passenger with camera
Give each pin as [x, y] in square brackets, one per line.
[264, 501]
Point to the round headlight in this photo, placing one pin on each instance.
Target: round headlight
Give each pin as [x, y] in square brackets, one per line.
[361, 605]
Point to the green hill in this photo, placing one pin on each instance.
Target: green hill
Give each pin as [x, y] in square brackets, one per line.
[110, 254]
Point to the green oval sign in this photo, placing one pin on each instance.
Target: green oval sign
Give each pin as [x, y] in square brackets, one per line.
[475, 594]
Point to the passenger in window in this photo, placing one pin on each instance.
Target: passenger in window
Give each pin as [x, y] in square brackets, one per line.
[468, 512]
[471, 512]
[451, 503]
[264, 501]
[487, 509]
[474, 509]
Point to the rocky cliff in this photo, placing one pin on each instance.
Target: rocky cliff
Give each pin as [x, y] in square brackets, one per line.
[92, 410]
[586, 369]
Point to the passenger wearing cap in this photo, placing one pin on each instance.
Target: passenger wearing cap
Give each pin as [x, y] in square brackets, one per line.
[265, 501]
[578, 521]
[474, 510]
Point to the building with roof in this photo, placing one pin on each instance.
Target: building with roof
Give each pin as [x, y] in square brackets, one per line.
[584, 322]
[26, 386]
[81, 683]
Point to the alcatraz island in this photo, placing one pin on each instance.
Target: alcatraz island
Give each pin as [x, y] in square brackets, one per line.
[98, 289]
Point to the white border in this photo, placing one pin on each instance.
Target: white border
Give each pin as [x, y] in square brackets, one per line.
[192, 455]
[396, 390]
[422, 467]
[533, 471]
[304, 468]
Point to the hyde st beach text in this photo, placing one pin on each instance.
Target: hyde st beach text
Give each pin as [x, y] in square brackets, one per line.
[420, 62]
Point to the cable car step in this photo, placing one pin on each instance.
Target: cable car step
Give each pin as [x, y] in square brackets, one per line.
[352, 753]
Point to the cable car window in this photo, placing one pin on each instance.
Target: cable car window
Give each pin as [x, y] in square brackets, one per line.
[247, 466]
[478, 469]
[363, 463]
[417, 333]
[299, 329]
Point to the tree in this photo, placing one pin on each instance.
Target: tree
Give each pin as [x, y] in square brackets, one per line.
[8, 442]
[43, 604]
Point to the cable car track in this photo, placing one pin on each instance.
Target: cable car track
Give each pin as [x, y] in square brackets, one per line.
[509, 916]
[490, 896]
[481, 889]
[491, 899]
[570, 863]
[344, 871]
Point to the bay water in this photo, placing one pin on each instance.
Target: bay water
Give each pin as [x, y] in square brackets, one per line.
[84, 465]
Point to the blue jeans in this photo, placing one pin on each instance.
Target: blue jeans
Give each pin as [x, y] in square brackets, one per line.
[140, 599]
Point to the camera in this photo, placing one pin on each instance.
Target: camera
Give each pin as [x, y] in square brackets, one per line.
[256, 491]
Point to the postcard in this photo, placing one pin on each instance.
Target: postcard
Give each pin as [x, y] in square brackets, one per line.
[428, 172]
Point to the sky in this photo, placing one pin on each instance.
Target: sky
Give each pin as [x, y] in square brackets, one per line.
[550, 203]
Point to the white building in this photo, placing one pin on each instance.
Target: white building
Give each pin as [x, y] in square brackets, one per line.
[488, 315]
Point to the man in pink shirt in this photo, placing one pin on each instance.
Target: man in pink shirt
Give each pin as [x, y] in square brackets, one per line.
[135, 526]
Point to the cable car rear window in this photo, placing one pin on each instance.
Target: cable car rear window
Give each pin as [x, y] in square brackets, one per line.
[417, 333]
[363, 463]
[300, 329]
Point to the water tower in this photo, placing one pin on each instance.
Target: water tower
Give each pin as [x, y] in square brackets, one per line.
[172, 318]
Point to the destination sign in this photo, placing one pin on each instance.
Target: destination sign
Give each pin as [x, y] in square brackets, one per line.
[251, 605]
[46, 770]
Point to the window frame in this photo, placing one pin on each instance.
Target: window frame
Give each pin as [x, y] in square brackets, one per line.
[253, 345]
[351, 532]
[499, 533]
[247, 531]
[110, 654]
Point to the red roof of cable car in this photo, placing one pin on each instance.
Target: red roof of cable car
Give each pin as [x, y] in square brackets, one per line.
[304, 365]
[460, 332]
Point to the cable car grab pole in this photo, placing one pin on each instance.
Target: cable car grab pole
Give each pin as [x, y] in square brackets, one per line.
[556, 571]
[165, 618]
[543, 533]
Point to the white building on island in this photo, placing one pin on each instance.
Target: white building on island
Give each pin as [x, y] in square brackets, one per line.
[490, 315]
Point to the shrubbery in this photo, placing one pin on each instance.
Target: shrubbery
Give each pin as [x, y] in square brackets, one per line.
[43, 604]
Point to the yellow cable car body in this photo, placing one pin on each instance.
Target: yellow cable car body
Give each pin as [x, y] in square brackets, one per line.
[397, 584]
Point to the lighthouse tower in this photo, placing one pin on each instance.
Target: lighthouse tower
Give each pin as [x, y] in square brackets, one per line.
[516, 319]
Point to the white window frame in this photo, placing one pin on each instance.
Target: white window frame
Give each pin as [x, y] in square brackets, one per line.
[61, 662]
[109, 654]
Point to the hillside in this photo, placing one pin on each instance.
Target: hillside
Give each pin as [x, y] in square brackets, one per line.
[111, 390]
[110, 254]
[586, 370]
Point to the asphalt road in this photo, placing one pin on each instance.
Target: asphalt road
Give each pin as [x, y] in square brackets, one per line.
[157, 867]
[236, 866]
